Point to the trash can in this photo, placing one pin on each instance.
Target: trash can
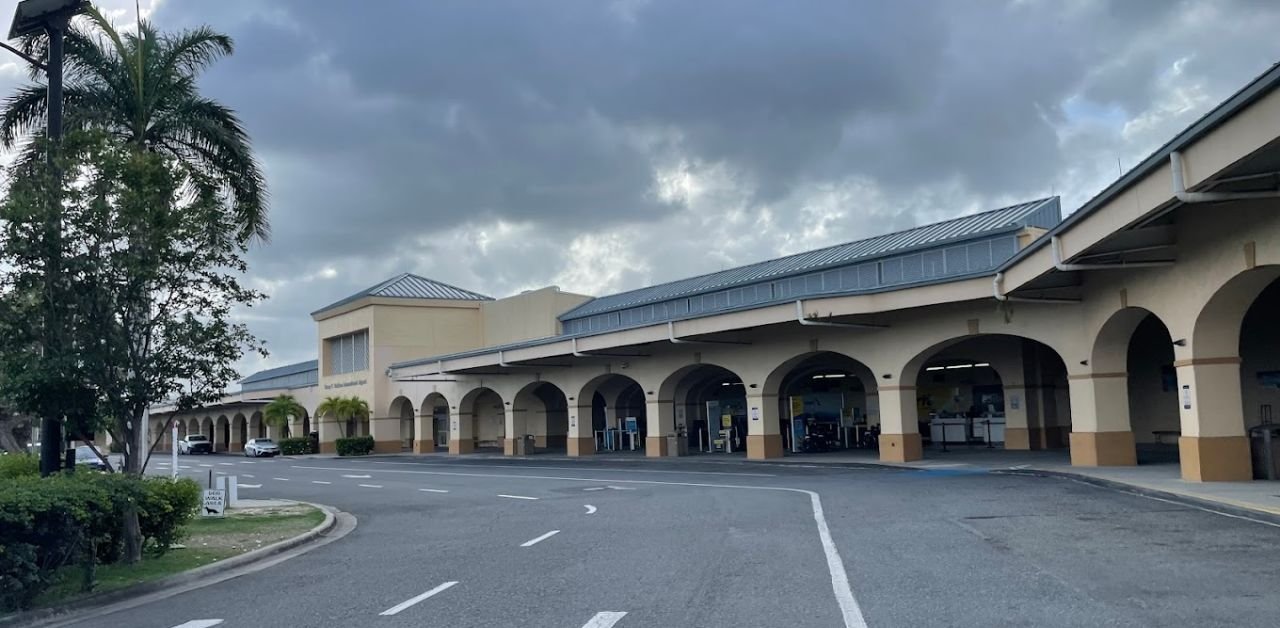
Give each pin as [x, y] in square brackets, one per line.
[528, 444]
[677, 445]
[1264, 447]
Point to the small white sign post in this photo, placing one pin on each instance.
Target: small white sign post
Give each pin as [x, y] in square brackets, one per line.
[173, 450]
[214, 503]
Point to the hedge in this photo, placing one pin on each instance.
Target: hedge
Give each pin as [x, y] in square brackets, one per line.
[355, 446]
[49, 523]
[295, 446]
[17, 465]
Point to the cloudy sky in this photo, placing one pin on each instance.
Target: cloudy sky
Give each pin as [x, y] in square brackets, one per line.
[601, 145]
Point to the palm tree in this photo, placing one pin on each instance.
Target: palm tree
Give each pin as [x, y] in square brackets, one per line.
[281, 411]
[333, 407]
[345, 411]
[140, 88]
[357, 411]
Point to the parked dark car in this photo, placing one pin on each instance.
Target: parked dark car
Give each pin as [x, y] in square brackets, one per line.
[86, 458]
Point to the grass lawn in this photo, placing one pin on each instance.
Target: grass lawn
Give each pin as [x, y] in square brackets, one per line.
[208, 540]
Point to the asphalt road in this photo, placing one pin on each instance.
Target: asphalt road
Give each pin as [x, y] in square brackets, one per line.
[484, 542]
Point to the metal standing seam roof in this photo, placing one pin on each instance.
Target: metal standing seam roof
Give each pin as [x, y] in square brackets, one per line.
[282, 371]
[410, 286]
[965, 227]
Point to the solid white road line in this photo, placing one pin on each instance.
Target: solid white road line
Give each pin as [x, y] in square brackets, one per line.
[591, 510]
[418, 598]
[604, 620]
[433, 490]
[371, 485]
[604, 459]
[206, 465]
[320, 482]
[250, 486]
[535, 541]
[516, 497]
[281, 479]
[358, 477]
[200, 623]
[849, 608]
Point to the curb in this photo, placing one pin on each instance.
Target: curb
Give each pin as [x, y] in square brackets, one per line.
[1222, 508]
[98, 600]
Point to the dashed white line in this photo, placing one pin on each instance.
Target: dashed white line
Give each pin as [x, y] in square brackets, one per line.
[357, 476]
[246, 475]
[200, 623]
[371, 485]
[250, 486]
[604, 620]
[516, 497]
[206, 465]
[320, 482]
[591, 510]
[594, 488]
[433, 490]
[417, 598]
[246, 462]
[535, 541]
[281, 479]
[226, 464]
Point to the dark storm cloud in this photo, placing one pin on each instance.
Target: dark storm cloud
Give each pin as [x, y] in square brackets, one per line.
[476, 141]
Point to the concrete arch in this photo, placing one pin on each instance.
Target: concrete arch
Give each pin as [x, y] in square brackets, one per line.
[402, 408]
[182, 429]
[433, 423]
[164, 436]
[239, 432]
[773, 382]
[802, 379]
[540, 410]
[1111, 344]
[206, 428]
[695, 393]
[222, 434]
[257, 427]
[1216, 333]
[480, 421]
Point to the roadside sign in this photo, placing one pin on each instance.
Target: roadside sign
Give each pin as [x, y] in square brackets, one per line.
[214, 502]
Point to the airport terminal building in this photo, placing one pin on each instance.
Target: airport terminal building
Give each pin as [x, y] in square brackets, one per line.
[1144, 324]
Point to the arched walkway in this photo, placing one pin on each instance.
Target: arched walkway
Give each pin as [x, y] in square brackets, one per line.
[239, 433]
[598, 413]
[222, 438]
[480, 424]
[710, 404]
[434, 426]
[540, 415]
[827, 401]
[258, 427]
[402, 408]
[1133, 386]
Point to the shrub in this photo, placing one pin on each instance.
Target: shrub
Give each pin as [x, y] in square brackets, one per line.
[166, 508]
[17, 465]
[355, 446]
[295, 446]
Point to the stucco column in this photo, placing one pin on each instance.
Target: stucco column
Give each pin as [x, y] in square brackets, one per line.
[660, 422]
[461, 433]
[516, 426]
[424, 438]
[899, 425]
[1213, 446]
[329, 432]
[764, 440]
[581, 440]
[386, 435]
[1100, 432]
[1017, 434]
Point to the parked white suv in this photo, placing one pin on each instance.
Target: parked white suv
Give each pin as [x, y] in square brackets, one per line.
[195, 444]
[261, 447]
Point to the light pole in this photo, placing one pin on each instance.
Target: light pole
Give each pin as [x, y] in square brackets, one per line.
[53, 17]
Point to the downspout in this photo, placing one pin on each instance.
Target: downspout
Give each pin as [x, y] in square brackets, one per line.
[1181, 193]
[997, 287]
[800, 318]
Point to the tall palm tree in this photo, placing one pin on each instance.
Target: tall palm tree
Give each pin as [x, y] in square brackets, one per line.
[357, 412]
[333, 408]
[346, 411]
[279, 412]
[141, 89]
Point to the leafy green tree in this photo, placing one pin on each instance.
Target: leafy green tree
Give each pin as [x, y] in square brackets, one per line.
[345, 411]
[279, 412]
[141, 89]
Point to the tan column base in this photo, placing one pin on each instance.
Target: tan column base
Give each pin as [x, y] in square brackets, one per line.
[462, 446]
[424, 447]
[328, 447]
[655, 447]
[900, 447]
[1017, 438]
[540, 442]
[1103, 449]
[762, 446]
[509, 446]
[1215, 458]
[580, 445]
[388, 446]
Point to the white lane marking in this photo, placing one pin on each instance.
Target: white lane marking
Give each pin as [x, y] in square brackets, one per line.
[605, 619]
[200, 623]
[281, 479]
[594, 488]
[358, 477]
[320, 482]
[849, 609]
[537, 540]
[591, 510]
[206, 465]
[246, 462]
[621, 488]
[246, 475]
[220, 472]
[433, 490]
[516, 497]
[417, 598]
[226, 464]
[250, 486]
[498, 466]
[371, 485]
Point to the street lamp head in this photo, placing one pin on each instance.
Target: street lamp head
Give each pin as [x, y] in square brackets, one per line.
[32, 16]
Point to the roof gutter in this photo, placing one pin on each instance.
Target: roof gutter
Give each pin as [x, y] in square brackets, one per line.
[997, 287]
[579, 354]
[800, 318]
[1180, 187]
[1056, 244]
[671, 335]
